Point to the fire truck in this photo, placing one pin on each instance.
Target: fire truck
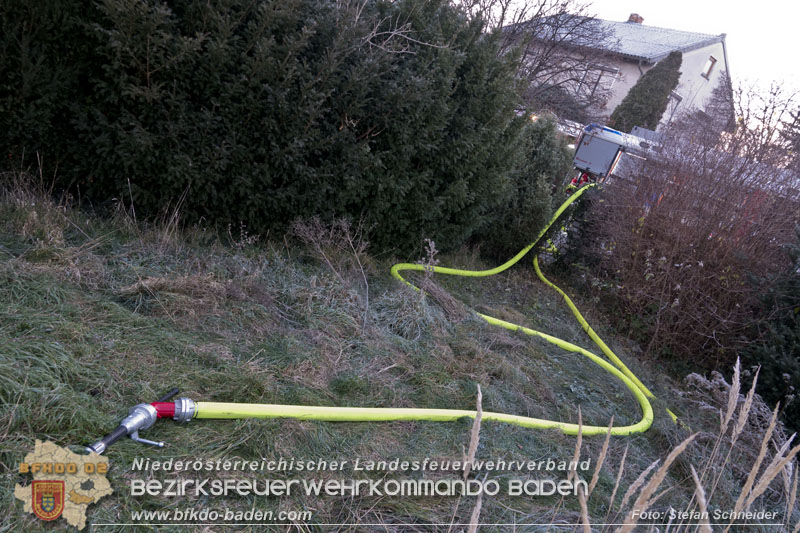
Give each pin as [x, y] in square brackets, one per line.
[599, 149]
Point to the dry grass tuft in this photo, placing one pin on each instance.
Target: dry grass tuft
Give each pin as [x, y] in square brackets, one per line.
[733, 398]
[476, 514]
[645, 500]
[342, 247]
[638, 483]
[468, 458]
[43, 220]
[700, 496]
[45, 227]
[601, 458]
[721, 460]
[762, 452]
[201, 286]
[744, 412]
[778, 463]
[454, 310]
[616, 483]
[576, 456]
[792, 498]
[585, 521]
[474, 434]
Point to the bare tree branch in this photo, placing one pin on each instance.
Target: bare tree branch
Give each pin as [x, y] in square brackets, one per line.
[695, 235]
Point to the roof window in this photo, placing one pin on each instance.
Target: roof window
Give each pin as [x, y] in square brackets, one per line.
[709, 67]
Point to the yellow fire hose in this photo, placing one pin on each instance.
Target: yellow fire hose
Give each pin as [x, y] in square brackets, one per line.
[143, 416]
[217, 410]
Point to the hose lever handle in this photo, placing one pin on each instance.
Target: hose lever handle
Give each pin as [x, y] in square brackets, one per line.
[136, 438]
[169, 395]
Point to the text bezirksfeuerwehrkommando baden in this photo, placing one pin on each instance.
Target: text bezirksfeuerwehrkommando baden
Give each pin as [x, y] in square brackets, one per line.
[205, 487]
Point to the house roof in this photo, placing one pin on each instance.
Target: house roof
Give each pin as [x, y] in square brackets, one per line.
[630, 40]
[650, 43]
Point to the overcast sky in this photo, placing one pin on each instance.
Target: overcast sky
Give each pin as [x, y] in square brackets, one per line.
[763, 37]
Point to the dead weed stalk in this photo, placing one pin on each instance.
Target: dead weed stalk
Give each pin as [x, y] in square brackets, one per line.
[342, 247]
[756, 438]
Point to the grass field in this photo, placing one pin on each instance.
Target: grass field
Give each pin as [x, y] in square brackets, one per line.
[98, 314]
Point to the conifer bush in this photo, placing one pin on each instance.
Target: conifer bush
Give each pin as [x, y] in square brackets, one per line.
[776, 348]
[544, 162]
[400, 113]
[645, 103]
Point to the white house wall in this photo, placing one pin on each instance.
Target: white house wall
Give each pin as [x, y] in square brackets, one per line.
[629, 74]
[692, 87]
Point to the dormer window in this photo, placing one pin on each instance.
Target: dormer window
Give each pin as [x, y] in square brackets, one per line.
[709, 67]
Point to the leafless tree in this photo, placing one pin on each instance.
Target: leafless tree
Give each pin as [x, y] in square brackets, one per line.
[790, 139]
[698, 232]
[565, 60]
[563, 52]
[761, 115]
[392, 34]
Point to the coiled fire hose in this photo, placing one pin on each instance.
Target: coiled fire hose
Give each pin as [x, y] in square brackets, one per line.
[143, 416]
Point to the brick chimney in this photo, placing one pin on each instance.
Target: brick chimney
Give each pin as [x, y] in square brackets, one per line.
[635, 18]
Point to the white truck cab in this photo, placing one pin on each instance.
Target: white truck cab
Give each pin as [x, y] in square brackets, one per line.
[599, 148]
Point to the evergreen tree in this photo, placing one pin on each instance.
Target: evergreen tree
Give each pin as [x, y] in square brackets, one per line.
[545, 160]
[263, 112]
[646, 102]
[777, 350]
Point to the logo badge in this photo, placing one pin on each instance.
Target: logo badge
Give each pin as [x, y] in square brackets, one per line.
[48, 499]
[64, 483]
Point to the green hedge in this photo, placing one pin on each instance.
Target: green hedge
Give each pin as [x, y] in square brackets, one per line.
[544, 163]
[262, 112]
[645, 103]
[777, 350]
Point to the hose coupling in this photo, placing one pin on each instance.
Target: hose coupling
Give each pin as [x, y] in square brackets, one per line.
[184, 410]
